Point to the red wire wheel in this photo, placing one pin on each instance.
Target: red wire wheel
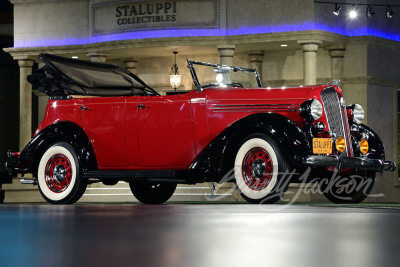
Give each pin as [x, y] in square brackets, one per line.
[257, 168]
[58, 173]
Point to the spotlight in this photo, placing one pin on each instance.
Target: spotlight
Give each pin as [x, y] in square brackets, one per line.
[337, 9]
[370, 12]
[389, 12]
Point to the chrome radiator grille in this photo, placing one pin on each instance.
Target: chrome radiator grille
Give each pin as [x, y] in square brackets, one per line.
[337, 118]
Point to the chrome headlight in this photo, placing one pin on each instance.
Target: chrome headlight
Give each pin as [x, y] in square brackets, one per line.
[356, 113]
[316, 109]
[311, 110]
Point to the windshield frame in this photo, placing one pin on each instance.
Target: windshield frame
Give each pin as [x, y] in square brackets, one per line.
[200, 88]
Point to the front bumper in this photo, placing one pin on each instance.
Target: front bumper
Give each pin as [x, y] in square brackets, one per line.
[348, 162]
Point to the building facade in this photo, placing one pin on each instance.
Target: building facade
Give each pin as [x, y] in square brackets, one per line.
[291, 42]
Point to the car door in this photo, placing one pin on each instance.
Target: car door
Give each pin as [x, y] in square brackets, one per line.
[165, 131]
[132, 135]
[103, 119]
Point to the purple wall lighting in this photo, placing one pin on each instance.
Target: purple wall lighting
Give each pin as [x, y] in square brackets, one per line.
[377, 25]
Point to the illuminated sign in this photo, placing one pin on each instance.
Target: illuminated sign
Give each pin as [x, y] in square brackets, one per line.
[135, 15]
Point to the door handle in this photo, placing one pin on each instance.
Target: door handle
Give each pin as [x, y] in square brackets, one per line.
[141, 106]
[84, 108]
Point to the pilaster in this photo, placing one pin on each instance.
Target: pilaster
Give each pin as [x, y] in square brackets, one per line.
[337, 61]
[310, 49]
[42, 99]
[256, 61]
[25, 102]
[226, 53]
[131, 65]
[97, 57]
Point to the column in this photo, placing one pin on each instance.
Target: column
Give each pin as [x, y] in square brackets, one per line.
[97, 57]
[256, 61]
[25, 102]
[42, 99]
[310, 49]
[337, 61]
[130, 64]
[226, 53]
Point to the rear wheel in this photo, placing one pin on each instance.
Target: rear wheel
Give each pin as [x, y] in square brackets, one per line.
[349, 190]
[59, 175]
[261, 173]
[152, 193]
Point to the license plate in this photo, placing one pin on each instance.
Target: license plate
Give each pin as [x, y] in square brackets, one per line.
[322, 146]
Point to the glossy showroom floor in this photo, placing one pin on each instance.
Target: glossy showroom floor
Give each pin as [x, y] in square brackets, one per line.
[198, 235]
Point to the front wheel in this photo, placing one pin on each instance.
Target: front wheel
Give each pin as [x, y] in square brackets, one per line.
[152, 193]
[261, 173]
[349, 190]
[58, 175]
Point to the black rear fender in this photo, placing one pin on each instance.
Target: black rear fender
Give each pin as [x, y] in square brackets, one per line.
[68, 132]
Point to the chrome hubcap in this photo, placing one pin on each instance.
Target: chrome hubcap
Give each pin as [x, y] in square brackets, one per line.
[258, 168]
[59, 173]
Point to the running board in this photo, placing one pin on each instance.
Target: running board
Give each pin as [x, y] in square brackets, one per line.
[140, 175]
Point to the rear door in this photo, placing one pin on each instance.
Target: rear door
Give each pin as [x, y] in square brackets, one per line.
[165, 131]
[103, 119]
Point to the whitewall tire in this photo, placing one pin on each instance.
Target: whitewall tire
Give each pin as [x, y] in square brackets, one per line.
[260, 170]
[58, 175]
[152, 193]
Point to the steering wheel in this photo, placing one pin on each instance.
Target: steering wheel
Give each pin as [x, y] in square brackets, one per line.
[210, 85]
[235, 84]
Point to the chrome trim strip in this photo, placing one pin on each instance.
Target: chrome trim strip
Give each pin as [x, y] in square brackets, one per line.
[252, 107]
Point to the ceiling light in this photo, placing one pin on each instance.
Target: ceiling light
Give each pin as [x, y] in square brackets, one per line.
[337, 9]
[370, 12]
[175, 78]
[283, 45]
[353, 13]
[74, 57]
[389, 12]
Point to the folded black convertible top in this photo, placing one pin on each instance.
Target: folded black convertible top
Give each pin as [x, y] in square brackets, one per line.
[64, 76]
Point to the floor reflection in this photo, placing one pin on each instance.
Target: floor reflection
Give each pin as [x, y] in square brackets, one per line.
[197, 235]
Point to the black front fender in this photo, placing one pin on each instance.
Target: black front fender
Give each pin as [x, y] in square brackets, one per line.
[71, 133]
[376, 147]
[217, 158]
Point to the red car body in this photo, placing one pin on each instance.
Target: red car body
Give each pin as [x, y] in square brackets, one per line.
[97, 129]
[171, 130]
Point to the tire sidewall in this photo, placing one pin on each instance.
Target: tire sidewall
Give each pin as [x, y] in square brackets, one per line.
[355, 196]
[268, 194]
[68, 194]
[144, 192]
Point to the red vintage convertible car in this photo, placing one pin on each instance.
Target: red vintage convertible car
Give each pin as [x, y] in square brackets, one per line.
[104, 124]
